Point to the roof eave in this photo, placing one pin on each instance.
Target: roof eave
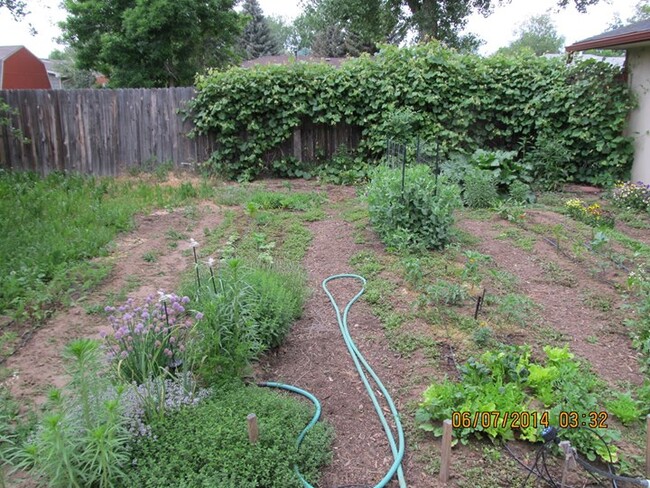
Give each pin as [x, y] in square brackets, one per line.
[615, 42]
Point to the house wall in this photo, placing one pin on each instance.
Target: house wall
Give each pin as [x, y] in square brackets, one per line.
[639, 122]
[24, 70]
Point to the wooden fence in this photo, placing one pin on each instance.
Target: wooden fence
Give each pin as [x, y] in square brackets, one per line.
[108, 132]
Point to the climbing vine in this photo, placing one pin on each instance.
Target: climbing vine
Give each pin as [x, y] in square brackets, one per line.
[463, 102]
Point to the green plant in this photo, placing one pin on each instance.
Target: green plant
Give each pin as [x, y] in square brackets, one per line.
[178, 456]
[550, 160]
[398, 93]
[344, 168]
[419, 216]
[150, 339]
[593, 214]
[150, 257]
[247, 310]
[508, 380]
[503, 164]
[520, 192]
[630, 195]
[482, 336]
[479, 189]
[511, 210]
[446, 292]
[625, 407]
[82, 439]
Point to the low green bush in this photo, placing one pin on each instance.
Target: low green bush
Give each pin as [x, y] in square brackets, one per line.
[634, 196]
[208, 445]
[480, 189]
[420, 215]
[246, 310]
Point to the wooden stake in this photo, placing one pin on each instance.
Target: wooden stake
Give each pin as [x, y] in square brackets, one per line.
[446, 451]
[253, 431]
[647, 446]
[568, 461]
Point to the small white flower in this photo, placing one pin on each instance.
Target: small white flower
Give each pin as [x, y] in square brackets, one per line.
[211, 262]
[193, 243]
[163, 297]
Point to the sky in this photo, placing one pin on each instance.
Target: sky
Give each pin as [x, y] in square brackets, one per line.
[497, 29]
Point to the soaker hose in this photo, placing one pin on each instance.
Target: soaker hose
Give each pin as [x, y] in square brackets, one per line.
[364, 370]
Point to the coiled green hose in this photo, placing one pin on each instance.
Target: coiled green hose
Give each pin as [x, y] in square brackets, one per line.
[364, 370]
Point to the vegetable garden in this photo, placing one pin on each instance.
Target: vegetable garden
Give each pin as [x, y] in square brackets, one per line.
[497, 296]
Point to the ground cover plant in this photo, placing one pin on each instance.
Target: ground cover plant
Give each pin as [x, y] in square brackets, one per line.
[51, 228]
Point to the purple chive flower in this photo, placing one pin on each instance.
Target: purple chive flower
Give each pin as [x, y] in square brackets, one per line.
[199, 315]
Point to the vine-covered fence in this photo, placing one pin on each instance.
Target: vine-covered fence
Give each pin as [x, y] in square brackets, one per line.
[109, 132]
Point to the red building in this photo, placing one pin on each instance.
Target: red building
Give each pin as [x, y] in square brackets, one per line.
[19, 68]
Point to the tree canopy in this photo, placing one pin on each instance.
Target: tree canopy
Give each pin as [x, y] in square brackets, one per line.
[537, 35]
[387, 21]
[257, 39]
[17, 8]
[151, 43]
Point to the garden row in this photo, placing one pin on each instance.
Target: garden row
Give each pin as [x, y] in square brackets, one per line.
[160, 401]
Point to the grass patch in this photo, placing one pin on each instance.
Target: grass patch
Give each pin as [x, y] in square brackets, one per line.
[518, 238]
[51, 227]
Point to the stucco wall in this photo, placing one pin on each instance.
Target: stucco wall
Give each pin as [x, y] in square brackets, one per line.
[639, 123]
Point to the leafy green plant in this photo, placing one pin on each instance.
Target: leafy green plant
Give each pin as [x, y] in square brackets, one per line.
[625, 407]
[420, 215]
[176, 454]
[82, 439]
[503, 165]
[479, 189]
[446, 292]
[344, 168]
[520, 192]
[593, 214]
[428, 91]
[508, 380]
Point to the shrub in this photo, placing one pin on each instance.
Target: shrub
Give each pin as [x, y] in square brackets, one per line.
[208, 445]
[630, 195]
[550, 161]
[480, 189]
[419, 216]
[148, 340]
[593, 214]
[520, 192]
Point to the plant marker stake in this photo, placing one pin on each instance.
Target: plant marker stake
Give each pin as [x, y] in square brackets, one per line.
[214, 285]
[253, 431]
[568, 461]
[446, 451]
[196, 265]
[647, 446]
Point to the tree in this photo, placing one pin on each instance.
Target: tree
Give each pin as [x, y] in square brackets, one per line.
[427, 19]
[256, 39]
[537, 35]
[17, 8]
[281, 32]
[641, 12]
[151, 43]
[362, 24]
[71, 76]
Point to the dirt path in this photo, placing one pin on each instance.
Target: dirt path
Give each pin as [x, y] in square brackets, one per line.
[38, 364]
[314, 357]
[596, 336]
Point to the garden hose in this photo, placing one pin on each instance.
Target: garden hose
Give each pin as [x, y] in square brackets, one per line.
[363, 369]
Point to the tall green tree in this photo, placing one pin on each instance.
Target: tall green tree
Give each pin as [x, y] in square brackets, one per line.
[151, 43]
[380, 21]
[71, 76]
[538, 35]
[257, 40]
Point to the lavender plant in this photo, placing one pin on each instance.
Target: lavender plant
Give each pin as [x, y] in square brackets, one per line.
[151, 339]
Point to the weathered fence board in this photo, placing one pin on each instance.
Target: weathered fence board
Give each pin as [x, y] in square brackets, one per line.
[108, 132]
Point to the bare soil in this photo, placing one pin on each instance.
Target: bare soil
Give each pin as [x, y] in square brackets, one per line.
[37, 365]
